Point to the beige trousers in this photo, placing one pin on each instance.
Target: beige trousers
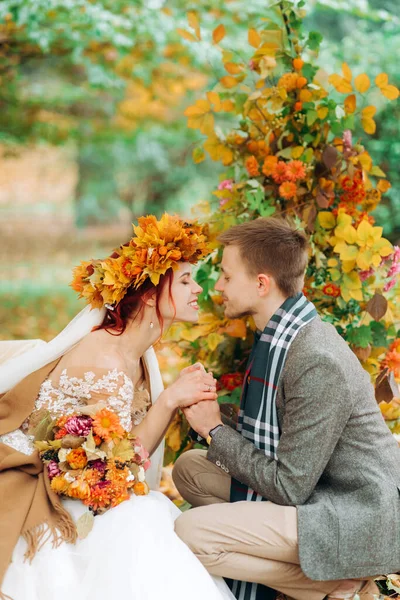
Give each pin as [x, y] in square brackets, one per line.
[248, 541]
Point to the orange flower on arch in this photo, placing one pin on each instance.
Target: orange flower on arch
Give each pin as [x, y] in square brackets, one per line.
[295, 170]
[288, 190]
[269, 165]
[252, 166]
[330, 289]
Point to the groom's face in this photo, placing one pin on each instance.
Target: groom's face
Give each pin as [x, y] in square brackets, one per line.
[238, 288]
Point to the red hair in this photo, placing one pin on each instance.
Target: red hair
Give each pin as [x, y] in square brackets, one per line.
[133, 304]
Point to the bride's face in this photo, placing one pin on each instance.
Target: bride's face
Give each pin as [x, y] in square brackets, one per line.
[184, 292]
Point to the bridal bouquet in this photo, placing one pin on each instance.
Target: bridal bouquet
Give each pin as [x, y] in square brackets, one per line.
[91, 457]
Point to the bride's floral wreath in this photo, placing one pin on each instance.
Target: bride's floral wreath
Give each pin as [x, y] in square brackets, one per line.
[156, 247]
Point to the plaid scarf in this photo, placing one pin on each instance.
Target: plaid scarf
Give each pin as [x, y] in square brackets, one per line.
[258, 419]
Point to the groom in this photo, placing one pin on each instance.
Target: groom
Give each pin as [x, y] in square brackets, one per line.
[305, 494]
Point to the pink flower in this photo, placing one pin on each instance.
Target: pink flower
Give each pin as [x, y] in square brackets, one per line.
[79, 426]
[365, 274]
[347, 141]
[223, 201]
[141, 454]
[52, 469]
[99, 465]
[388, 286]
[226, 184]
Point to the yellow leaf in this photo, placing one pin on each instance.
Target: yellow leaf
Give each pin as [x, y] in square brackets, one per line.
[340, 84]
[390, 92]
[306, 96]
[357, 295]
[362, 83]
[326, 220]
[377, 172]
[236, 328]
[186, 35]
[350, 104]
[214, 99]
[335, 274]
[322, 112]
[297, 151]
[349, 253]
[219, 34]
[367, 121]
[365, 161]
[173, 435]
[198, 155]
[254, 38]
[228, 81]
[193, 20]
[347, 74]
[200, 108]
[233, 68]
[214, 340]
[217, 150]
[381, 79]
[383, 186]
[227, 105]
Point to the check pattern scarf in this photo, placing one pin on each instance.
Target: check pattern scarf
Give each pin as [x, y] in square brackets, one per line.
[258, 419]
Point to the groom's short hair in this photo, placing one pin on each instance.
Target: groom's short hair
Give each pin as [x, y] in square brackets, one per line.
[274, 246]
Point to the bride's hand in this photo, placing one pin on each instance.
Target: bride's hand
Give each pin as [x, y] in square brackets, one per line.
[195, 367]
[191, 387]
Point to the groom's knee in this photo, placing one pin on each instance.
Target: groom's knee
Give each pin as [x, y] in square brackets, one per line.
[186, 527]
[186, 468]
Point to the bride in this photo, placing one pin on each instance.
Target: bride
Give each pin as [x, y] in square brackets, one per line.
[104, 356]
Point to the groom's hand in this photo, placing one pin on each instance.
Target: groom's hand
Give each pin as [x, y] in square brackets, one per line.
[204, 416]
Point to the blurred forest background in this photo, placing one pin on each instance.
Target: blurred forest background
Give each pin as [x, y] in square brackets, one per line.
[92, 130]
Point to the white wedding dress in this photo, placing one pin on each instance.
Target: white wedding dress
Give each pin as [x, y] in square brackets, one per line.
[132, 552]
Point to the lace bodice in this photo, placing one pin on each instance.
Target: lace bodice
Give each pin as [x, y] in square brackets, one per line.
[75, 390]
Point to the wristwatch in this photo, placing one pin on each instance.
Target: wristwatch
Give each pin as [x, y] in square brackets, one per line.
[211, 433]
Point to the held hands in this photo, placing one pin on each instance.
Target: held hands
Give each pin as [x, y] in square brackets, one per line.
[193, 385]
[203, 417]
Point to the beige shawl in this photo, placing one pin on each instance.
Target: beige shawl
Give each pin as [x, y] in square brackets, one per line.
[28, 506]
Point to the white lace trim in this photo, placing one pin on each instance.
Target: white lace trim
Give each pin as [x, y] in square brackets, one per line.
[72, 393]
[19, 441]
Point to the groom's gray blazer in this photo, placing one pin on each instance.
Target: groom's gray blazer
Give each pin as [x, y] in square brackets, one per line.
[337, 461]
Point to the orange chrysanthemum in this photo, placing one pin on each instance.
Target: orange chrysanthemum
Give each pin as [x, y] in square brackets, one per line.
[92, 476]
[295, 170]
[119, 493]
[77, 458]
[62, 420]
[79, 489]
[106, 425]
[288, 190]
[60, 433]
[252, 166]
[116, 471]
[59, 484]
[269, 165]
[279, 174]
[330, 289]
[100, 496]
[392, 358]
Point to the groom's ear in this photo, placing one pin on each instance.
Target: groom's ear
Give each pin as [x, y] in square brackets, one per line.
[263, 284]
